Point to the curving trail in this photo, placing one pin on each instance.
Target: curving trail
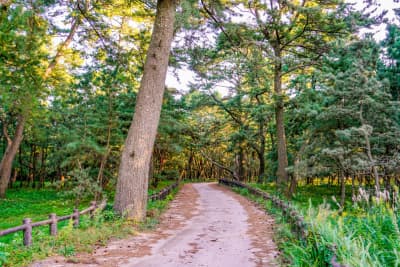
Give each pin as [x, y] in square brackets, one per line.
[205, 225]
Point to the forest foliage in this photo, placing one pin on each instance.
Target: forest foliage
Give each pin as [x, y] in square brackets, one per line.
[70, 75]
[288, 92]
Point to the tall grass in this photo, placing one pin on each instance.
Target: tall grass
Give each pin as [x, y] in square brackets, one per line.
[365, 234]
[368, 238]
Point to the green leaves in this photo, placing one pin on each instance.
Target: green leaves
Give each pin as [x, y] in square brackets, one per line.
[22, 41]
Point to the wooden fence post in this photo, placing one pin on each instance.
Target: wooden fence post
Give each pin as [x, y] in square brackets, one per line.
[93, 206]
[53, 224]
[27, 232]
[75, 217]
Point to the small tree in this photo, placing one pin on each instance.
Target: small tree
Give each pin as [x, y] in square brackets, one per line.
[356, 119]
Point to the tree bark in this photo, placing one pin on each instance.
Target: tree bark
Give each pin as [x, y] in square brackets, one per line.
[9, 155]
[296, 175]
[282, 174]
[104, 158]
[239, 167]
[261, 152]
[342, 190]
[261, 167]
[132, 185]
[369, 153]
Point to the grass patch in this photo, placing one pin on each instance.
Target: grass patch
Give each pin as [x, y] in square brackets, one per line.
[36, 204]
[316, 194]
[69, 240]
[366, 234]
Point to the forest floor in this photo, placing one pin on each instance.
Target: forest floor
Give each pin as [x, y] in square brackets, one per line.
[205, 225]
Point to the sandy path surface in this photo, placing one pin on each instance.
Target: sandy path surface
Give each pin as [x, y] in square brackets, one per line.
[205, 225]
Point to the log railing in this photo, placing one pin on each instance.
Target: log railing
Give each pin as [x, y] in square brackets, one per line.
[162, 194]
[53, 220]
[295, 219]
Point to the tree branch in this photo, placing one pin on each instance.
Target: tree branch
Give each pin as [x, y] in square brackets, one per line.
[60, 50]
[219, 165]
[5, 132]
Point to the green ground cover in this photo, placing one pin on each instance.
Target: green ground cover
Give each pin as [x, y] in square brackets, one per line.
[37, 204]
[317, 194]
[365, 234]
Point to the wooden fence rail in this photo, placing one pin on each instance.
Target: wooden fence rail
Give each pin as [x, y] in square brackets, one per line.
[295, 219]
[162, 194]
[28, 225]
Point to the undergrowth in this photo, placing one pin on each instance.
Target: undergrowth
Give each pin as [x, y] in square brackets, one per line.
[366, 234]
[70, 240]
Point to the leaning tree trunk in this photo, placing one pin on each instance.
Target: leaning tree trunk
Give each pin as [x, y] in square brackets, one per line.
[9, 155]
[133, 176]
[280, 123]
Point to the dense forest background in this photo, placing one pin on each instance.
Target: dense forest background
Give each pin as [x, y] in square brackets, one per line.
[306, 97]
[296, 98]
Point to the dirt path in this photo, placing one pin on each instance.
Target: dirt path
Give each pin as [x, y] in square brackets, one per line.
[206, 225]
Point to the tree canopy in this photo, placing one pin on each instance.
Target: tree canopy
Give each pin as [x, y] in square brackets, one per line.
[285, 92]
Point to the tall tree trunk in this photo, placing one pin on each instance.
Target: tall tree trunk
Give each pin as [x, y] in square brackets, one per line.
[260, 153]
[296, 175]
[32, 164]
[9, 155]
[372, 161]
[342, 190]
[369, 151]
[132, 185]
[42, 171]
[280, 122]
[239, 168]
[189, 165]
[261, 167]
[104, 158]
[154, 179]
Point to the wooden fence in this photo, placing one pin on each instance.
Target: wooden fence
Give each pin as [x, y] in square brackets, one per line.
[295, 219]
[53, 220]
[162, 194]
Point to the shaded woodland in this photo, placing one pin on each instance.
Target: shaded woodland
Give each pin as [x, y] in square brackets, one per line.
[285, 91]
[297, 98]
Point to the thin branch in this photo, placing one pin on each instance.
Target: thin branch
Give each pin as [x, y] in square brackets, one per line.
[5, 132]
[297, 35]
[62, 47]
[92, 26]
[219, 24]
[219, 165]
[231, 114]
